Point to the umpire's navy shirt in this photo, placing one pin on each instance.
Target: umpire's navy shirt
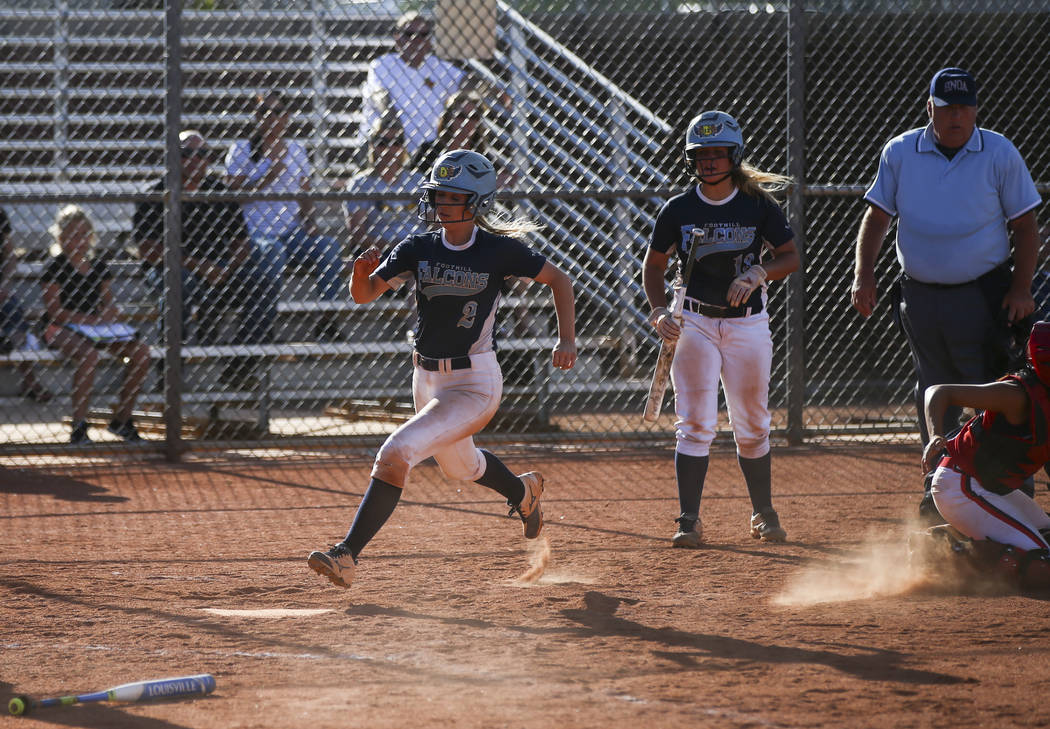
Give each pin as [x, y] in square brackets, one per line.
[952, 213]
[458, 288]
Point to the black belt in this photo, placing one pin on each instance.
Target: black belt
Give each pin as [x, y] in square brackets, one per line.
[1003, 268]
[448, 364]
[717, 312]
[927, 284]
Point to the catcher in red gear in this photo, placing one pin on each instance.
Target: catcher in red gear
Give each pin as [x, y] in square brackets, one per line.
[978, 473]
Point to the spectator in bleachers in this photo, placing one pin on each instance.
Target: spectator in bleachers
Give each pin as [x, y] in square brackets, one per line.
[284, 229]
[14, 328]
[81, 318]
[459, 127]
[412, 81]
[221, 268]
[384, 223]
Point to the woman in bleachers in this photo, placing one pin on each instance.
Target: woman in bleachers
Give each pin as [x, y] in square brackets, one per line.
[81, 318]
[14, 328]
[384, 223]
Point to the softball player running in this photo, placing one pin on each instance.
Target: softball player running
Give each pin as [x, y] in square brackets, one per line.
[725, 328]
[459, 270]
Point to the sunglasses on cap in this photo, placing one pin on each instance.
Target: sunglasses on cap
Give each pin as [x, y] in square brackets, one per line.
[190, 152]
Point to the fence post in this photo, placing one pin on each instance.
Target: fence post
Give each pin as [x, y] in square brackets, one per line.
[626, 364]
[796, 159]
[319, 108]
[173, 230]
[61, 81]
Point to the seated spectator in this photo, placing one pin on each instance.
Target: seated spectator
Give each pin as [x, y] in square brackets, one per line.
[458, 127]
[461, 126]
[78, 308]
[384, 223]
[283, 229]
[221, 268]
[14, 329]
[412, 81]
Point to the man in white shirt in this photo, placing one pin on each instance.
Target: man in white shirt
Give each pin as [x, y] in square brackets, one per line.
[412, 80]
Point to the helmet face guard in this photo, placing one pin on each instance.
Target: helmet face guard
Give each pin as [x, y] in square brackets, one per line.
[463, 172]
[713, 129]
[1039, 351]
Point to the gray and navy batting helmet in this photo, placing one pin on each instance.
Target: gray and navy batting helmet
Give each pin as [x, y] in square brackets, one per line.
[713, 129]
[464, 172]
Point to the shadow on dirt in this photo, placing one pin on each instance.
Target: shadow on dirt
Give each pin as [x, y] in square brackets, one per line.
[63, 488]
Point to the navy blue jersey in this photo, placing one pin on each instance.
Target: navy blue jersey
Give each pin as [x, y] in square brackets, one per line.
[735, 229]
[458, 290]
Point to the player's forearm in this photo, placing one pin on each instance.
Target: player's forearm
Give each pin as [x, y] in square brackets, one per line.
[366, 288]
[654, 286]
[784, 262]
[935, 405]
[564, 307]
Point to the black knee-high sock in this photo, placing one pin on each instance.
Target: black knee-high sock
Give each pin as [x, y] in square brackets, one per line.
[499, 478]
[757, 478]
[376, 507]
[690, 472]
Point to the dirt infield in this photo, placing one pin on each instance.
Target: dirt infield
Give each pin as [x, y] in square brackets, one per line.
[115, 575]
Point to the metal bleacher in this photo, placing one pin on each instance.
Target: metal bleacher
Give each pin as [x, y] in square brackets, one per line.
[85, 106]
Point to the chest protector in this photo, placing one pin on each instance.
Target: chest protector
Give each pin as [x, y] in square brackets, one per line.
[1000, 455]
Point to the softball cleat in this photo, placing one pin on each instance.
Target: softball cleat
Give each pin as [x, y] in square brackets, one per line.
[337, 564]
[690, 532]
[765, 525]
[529, 509]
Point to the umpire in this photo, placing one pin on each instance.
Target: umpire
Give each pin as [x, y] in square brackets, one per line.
[958, 192]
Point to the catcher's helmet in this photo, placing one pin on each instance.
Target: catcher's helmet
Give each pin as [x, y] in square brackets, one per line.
[1039, 350]
[462, 171]
[713, 129]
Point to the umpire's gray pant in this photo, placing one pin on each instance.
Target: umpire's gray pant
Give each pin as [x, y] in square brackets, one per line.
[949, 329]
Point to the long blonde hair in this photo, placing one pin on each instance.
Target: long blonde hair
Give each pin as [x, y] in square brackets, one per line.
[67, 215]
[500, 223]
[759, 183]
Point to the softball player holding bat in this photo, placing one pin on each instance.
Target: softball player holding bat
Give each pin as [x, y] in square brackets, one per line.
[459, 271]
[724, 330]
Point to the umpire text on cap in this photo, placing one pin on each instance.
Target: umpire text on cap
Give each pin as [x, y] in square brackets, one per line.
[953, 86]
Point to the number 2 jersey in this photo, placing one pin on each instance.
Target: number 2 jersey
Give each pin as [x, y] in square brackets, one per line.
[458, 288]
[734, 228]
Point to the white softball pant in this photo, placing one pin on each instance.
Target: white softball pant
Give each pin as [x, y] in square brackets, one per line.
[450, 408]
[740, 353]
[1013, 518]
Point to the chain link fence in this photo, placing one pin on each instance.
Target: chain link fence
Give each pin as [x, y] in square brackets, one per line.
[298, 134]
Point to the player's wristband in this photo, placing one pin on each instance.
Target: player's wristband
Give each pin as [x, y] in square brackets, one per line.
[657, 313]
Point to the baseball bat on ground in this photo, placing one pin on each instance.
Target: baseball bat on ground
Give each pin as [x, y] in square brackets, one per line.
[161, 688]
[658, 386]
